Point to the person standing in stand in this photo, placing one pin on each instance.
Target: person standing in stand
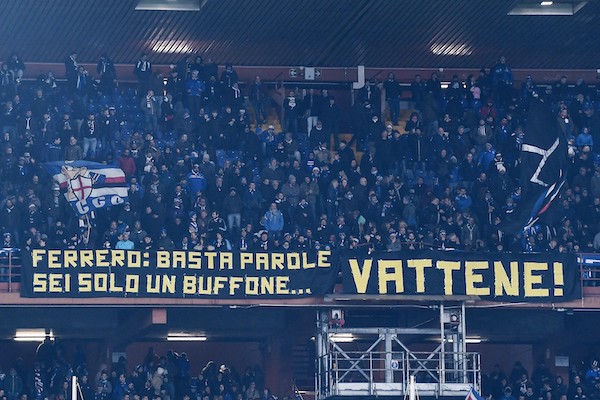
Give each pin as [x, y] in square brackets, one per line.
[143, 72]
[108, 75]
[392, 96]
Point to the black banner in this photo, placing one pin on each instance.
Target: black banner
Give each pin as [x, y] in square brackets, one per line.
[247, 275]
[177, 274]
[495, 277]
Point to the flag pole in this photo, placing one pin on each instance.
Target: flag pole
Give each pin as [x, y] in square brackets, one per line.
[412, 389]
[74, 387]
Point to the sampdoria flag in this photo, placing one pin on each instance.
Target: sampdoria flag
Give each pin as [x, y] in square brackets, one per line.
[88, 186]
[473, 395]
[543, 164]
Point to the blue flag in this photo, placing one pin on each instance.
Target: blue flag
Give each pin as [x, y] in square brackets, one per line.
[88, 186]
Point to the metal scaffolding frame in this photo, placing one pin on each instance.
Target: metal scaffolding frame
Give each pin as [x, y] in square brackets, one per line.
[376, 362]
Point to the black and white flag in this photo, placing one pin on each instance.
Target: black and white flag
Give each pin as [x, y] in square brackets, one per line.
[543, 164]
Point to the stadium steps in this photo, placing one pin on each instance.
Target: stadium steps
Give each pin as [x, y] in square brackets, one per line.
[303, 366]
[273, 119]
[404, 114]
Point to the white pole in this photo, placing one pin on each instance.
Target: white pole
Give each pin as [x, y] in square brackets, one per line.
[361, 78]
[412, 390]
[73, 387]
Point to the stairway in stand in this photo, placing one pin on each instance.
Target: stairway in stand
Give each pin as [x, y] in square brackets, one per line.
[273, 119]
[404, 114]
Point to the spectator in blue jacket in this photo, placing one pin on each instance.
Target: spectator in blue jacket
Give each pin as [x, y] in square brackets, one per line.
[196, 182]
[463, 201]
[584, 138]
[194, 87]
[274, 221]
[487, 157]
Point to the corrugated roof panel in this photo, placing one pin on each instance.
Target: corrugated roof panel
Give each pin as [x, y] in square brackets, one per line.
[385, 33]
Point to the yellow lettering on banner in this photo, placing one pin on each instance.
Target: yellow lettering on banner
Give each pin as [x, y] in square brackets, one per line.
[168, 284]
[55, 283]
[162, 259]
[323, 259]
[194, 260]
[448, 267]
[262, 261]
[277, 260]
[472, 277]
[246, 258]
[267, 285]
[84, 281]
[153, 283]
[505, 284]
[178, 259]
[189, 284]
[118, 258]
[226, 260]
[281, 285]
[53, 259]
[220, 282]
[251, 285]
[100, 283]
[234, 284]
[37, 255]
[559, 279]
[361, 275]
[101, 258]
[69, 259]
[132, 284]
[113, 287]
[293, 260]
[86, 258]
[530, 279]
[211, 259]
[39, 283]
[419, 266]
[390, 271]
[134, 259]
[305, 263]
[204, 285]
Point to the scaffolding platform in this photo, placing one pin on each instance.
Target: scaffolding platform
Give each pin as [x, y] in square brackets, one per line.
[378, 362]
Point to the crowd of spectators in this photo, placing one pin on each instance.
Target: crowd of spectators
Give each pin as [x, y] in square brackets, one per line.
[157, 377]
[172, 376]
[582, 383]
[206, 171]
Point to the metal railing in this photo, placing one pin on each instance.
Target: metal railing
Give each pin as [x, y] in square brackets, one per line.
[368, 373]
[10, 269]
[443, 368]
[358, 366]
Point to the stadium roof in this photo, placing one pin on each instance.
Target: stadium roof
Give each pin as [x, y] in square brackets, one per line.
[376, 33]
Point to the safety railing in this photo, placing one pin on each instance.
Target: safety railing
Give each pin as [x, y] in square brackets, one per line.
[443, 368]
[10, 269]
[370, 367]
[377, 373]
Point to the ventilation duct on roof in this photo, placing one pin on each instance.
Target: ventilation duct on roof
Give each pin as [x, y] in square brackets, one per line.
[547, 7]
[171, 5]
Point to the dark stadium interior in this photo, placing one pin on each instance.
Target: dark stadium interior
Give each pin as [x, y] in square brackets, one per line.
[370, 166]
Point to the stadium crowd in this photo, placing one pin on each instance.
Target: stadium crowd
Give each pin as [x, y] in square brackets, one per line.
[157, 377]
[583, 382]
[173, 376]
[205, 171]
